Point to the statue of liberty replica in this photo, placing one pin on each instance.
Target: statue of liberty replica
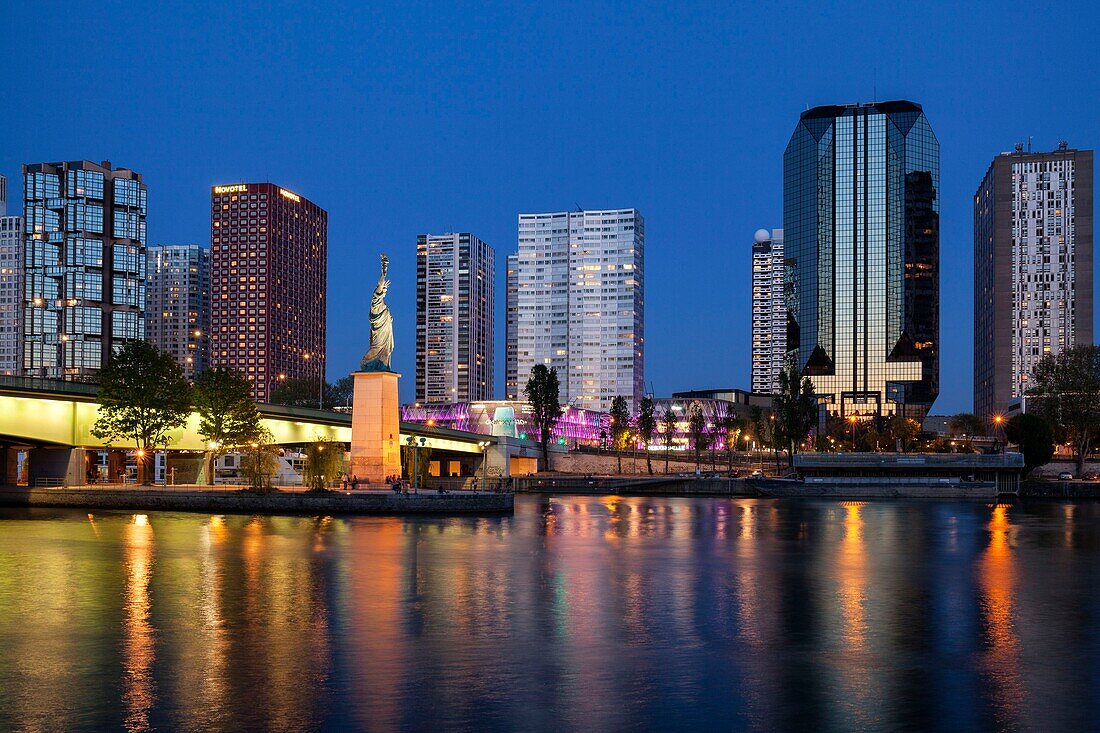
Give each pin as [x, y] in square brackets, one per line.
[377, 358]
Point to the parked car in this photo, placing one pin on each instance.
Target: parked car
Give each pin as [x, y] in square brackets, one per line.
[756, 473]
[1090, 476]
[1065, 476]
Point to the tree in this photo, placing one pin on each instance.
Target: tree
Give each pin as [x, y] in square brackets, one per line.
[647, 426]
[966, 424]
[904, 430]
[1035, 438]
[697, 430]
[324, 461]
[259, 462]
[732, 427]
[542, 394]
[228, 417]
[341, 393]
[795, 411]
[143, 395]
[668, 425]
[620, 427]
[1066, 393]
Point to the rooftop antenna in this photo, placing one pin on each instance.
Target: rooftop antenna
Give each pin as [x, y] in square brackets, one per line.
[1029, 143]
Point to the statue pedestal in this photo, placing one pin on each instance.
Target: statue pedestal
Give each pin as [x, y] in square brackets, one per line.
[375, 427]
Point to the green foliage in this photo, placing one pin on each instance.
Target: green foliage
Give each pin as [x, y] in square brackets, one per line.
[1066, 393]
[647, 427]
[542, 392]
[307, 392]
[324, 461]
[228, 416]
[143, 395]
[668, 431]
[795, 411]
[697, 430]
[620, 427]
[260, 462]
[904, 430]
[1035, 438]
[966, 424]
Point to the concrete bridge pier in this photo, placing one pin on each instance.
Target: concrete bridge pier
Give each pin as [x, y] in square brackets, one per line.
[56, 466]
[9, 466]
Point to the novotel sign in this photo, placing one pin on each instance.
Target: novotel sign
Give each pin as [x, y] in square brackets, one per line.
[236, 188]
[289, 195]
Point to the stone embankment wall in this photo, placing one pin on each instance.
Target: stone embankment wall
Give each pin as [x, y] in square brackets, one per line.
[244, 502]
[576, 462]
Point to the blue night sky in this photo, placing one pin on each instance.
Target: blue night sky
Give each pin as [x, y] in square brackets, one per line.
[433, 117]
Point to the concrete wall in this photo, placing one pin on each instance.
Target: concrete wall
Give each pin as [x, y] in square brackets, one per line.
[56, 465]
[236, 502]
[605, 463]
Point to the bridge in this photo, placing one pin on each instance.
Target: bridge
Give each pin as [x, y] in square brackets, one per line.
[52, 421]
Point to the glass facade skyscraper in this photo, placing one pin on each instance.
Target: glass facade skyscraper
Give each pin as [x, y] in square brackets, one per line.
[11, 288]
[84, 263]
[861, 224]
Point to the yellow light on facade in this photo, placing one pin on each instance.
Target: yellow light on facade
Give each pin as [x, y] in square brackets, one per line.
[290, 195]
[237, 188]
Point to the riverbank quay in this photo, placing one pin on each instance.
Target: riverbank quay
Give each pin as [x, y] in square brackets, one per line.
[237, 501]
[1036, 489]
[631, 485]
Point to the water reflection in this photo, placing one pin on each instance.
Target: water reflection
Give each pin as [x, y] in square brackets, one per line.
[577, 613]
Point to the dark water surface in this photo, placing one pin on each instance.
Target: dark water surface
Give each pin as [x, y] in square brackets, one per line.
[576, 614]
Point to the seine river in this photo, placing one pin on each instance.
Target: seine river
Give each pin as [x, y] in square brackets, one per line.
[601, 613]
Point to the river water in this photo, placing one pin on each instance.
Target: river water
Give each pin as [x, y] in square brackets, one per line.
[578, 613]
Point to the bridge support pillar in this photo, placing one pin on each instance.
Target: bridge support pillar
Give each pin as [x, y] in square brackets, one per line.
[375, 426]
[9, 466]
[56, 466]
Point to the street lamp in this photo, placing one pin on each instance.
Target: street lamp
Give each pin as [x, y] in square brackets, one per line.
[852, 420]
[998, 423]
[320, 381]
[484, 445]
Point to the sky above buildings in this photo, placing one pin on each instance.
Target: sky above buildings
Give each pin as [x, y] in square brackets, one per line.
[433, 117]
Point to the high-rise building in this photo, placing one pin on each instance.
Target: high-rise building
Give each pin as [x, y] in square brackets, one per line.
[84, 265]
[11, 287]
[455, 285]
[512, 388]
[861, 224]
[769, 311]
[268, 260]
[579, 304]
[177, 302]
[1032, 268]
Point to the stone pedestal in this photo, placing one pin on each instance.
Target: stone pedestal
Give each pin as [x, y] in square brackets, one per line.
[375, 427]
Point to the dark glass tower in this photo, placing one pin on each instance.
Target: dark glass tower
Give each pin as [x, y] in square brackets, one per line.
[861, 223]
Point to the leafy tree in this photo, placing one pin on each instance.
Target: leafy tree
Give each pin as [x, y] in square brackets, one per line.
[1066, 393]
[228, 417]
[260, 462]
[795, 410]
[647, 426]
[324, 461]
[668, 425]
[341, 393]
[966, 424]
[732, 426]
[620, 427]
[697, 430]
[542, 394]
[143, 395]
[1035, 438]
[904, 430]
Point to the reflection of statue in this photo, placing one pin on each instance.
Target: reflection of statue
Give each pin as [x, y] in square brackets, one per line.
[381, 326]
